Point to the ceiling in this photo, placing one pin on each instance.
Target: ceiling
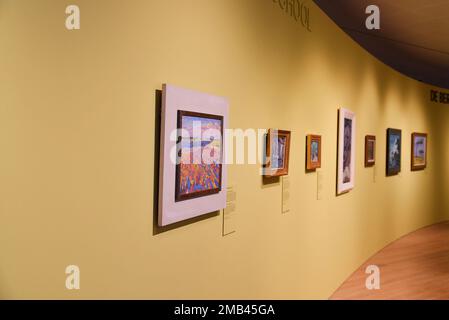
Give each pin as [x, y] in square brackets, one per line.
[413, 36]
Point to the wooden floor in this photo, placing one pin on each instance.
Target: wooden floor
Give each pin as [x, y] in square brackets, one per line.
[416, 267]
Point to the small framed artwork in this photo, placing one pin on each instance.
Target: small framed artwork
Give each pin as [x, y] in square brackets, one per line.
[394, 151]
[277, 153]
[193, 175]
[313, 152]
[346, 151]
[419, 151]
[370, 151]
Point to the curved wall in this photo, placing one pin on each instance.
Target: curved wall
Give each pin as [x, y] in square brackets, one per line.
[77, 123]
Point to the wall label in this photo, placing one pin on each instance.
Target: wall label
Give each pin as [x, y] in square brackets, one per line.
[439, 97]
[285, 194]
[319, 185]
[297, 10]
[229, 215]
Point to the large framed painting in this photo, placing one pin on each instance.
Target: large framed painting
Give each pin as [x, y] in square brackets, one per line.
[193, 175]
[313, 154]
[370, 151]
[346, 151]
[419, 151]
[394, 151]
[277, 153]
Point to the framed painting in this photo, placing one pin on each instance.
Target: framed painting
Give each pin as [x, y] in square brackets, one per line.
[370, 151]
[394, 151]
[419, 151]
[346, 151]
[313, 155]
[193, 175]
[277, 153]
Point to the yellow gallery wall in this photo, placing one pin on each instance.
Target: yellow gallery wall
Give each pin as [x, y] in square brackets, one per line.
[77, 138]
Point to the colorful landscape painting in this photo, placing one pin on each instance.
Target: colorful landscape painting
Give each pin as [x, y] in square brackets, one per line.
[199, 170]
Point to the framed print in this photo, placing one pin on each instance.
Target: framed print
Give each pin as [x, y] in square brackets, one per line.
[419, 151]
[193, 175]
[277, 153]
[313, 152]
[394, 150]
[346, 151]
[370, 151]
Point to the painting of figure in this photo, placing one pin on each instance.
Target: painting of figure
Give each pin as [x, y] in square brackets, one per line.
[347, 151]
[314, 151]
[346, 155]
[394, 143]
[199, 167]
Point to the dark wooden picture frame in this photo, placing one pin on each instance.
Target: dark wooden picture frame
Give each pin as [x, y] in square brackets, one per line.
[370, 142]
[393, 170]
[269, 170]
[310, 164]
[198, 194]
[414, 165]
